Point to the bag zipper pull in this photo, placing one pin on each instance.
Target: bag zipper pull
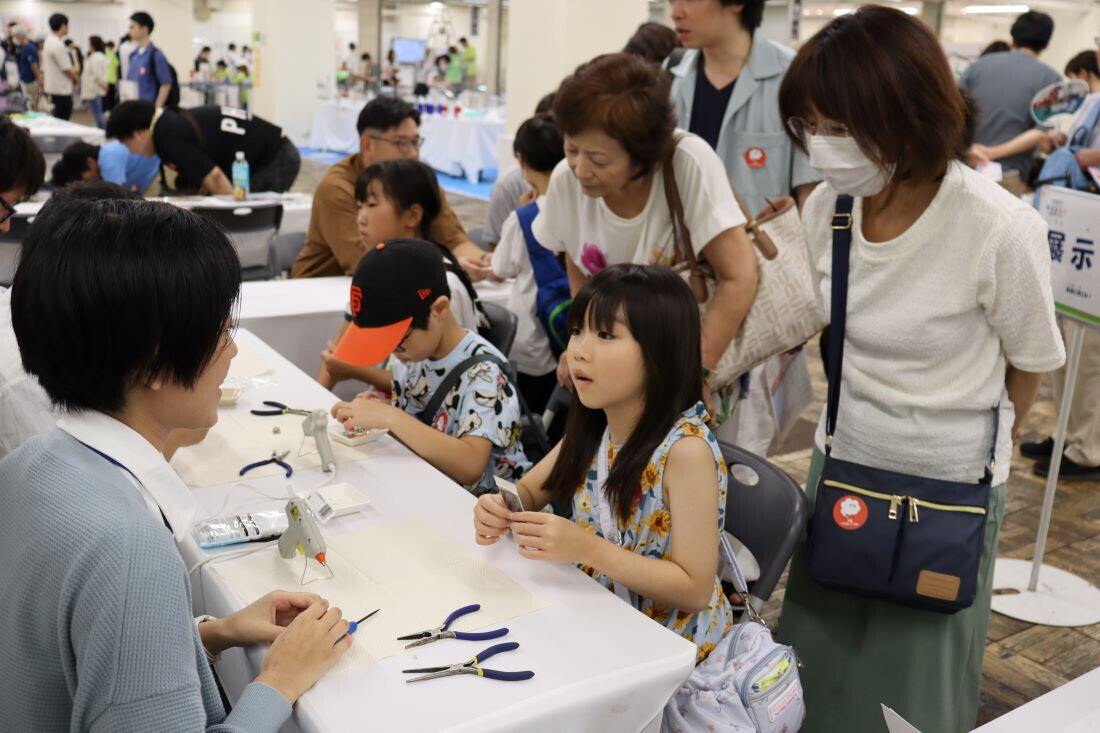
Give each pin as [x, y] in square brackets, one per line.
[913, 516]
[895, 500]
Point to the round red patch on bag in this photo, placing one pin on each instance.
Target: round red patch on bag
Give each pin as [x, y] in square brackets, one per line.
[849, 512]
[755, 158]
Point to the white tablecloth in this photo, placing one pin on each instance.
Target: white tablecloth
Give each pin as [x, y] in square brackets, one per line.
[334, 125]
[599, 665]
[460, 147]
[296, 317]
[296, 207]
[41, 125]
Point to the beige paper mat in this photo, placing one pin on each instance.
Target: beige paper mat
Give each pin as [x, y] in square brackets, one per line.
[248, 363]
[415, 575]
[240, 438]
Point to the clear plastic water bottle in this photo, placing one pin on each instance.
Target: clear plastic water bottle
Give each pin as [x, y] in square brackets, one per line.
[241, 176]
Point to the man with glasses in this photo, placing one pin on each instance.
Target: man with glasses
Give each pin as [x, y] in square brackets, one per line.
[388, 129]
[200, 144]
[23, 171]
[24, 407]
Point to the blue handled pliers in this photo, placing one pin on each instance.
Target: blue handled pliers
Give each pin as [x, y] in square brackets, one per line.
[280, 409]
[442, 632]
[276, 458]
[471, 667]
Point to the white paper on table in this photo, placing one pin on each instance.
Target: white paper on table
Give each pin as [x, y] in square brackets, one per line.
[415, 575]
[240, 438]
[248, 363]
[895, 723]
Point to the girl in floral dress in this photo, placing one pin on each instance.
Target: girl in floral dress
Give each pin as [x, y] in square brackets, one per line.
[638, 430]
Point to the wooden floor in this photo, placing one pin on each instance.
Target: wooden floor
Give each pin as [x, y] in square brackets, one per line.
[1022, 661]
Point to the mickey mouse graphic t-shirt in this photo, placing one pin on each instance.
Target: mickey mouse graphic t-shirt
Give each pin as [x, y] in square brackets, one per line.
[483, 403]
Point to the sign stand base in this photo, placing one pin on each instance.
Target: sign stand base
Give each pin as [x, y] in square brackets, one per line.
[1029, 590]
[1060, 599]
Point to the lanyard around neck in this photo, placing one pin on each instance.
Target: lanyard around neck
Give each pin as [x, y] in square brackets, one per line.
[115, 462]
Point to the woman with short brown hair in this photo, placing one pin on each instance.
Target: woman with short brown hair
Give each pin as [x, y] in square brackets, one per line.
[949, 315]
[606, 202]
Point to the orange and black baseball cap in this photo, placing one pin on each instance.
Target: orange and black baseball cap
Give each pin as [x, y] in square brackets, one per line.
[395, 284]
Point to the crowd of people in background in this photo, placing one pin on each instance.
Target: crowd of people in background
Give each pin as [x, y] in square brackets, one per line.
[639, 162]
[453, 69]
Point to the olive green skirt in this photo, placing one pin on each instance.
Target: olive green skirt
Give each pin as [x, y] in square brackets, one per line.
[858, 652]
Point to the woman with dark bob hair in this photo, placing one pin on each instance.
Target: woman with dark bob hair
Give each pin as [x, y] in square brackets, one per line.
[123, 310]
[606, 202]
[949, 315]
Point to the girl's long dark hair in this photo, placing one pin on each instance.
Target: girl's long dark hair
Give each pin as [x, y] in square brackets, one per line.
[663, 317]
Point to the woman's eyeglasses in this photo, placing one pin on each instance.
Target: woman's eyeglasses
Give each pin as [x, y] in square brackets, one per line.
[802, 129]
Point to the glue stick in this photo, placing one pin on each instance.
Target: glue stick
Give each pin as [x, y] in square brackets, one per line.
[251, 527]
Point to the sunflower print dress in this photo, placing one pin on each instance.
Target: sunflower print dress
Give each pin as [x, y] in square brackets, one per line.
[649, 533]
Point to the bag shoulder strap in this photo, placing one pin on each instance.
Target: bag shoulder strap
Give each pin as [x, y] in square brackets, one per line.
[451, 379]
[681, 236]
[838, 318]
[535, 251]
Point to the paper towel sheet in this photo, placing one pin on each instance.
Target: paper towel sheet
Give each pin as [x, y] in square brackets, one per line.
[247, 363]
[240, 438]
[415, 575]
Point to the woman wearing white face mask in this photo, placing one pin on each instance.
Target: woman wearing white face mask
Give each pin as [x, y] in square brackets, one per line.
[949, 314]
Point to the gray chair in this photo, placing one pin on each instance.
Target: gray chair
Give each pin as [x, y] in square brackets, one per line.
[286, 248]
[252, 228]
[558, 403]
[10, 245]
[502, 326]
[767, 511]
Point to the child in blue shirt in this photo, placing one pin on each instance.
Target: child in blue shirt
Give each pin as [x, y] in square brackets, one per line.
[454, 405]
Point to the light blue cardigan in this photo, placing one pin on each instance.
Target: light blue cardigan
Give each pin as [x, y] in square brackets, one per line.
[96, 630]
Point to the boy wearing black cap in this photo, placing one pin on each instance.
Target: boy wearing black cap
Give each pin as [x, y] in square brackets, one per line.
[454, 405]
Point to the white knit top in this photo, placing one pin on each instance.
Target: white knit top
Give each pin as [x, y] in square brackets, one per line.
[933, 316]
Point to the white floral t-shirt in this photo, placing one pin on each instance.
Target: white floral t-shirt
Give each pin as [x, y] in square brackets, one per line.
[594, 237]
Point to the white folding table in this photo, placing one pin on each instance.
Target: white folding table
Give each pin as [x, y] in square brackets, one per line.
[599, 664]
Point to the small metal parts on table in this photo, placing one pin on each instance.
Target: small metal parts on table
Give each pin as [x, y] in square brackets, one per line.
[276, 458]
[471, 667]
[443, 632]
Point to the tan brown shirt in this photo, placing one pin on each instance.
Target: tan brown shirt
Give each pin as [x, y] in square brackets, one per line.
[332, 243]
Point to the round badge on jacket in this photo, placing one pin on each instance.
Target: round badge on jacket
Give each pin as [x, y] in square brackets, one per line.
[755, 158]
[850, 512]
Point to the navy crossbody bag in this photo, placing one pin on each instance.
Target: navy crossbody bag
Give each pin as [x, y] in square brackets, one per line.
[877, 533]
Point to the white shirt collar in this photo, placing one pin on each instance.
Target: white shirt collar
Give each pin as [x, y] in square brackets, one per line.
[156, 478]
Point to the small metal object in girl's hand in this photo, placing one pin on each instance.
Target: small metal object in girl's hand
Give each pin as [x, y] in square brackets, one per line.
[355, 436]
